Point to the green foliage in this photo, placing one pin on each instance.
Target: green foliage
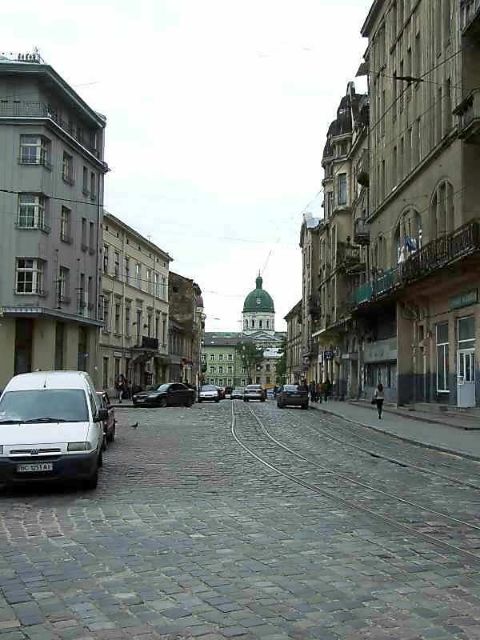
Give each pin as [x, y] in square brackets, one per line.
[250, 355]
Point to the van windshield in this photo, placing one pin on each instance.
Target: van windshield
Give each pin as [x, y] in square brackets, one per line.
[43, 405]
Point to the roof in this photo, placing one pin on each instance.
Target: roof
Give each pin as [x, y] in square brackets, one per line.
[49, 380]
[109, 217]
[258, 300]
[295, 310]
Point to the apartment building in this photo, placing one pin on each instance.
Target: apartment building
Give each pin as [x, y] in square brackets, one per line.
[418, 313]
[186, 329]
[221, 361]
[293, 344]
[135, 307]
[51, 193]
[334, 264]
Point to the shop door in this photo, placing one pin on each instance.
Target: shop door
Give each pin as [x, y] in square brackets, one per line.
[466, 378]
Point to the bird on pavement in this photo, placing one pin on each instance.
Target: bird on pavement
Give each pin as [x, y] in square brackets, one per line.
[134, 426]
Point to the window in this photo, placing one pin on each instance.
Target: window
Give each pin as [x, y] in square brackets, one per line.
[91, 237]
[156, 285]
[29, 277]
[149, 280]
[212, 369]
[65, 221]
[127, 270]
[105, 372]
[149, 324]
[164, 288]
[220, 370]
[31, 211]
[106, 312]
[116, 324]
[164, 331]
[89, 293]
[342, 189]
[84, 234]
[230, 357]
[212, 357]
[157, 326]
[442, 357]
[466, 332]
[442, 210]
[267, 367]
[138, 275]
[229, 369]
[204, 357]
[82, 303]
[128, 308]
[260, 324]
[105, 258]
[268, 324]
[267, 380]
[35, 150]
[67, 168]
[85, 181]
[63, 284]
[116, 264]
[220, 356]
[93, 186]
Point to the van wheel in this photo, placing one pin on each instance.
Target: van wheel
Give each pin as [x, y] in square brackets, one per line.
[162, 403]
[91, 483]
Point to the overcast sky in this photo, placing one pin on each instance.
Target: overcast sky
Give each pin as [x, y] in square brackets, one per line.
[217, 113]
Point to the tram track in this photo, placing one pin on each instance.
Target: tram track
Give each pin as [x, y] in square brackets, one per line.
[329, 473]
[389, 458]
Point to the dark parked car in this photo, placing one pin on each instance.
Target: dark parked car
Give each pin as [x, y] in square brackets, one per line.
[109, 423]
[166, 395]
[254, 392]
[292, 395]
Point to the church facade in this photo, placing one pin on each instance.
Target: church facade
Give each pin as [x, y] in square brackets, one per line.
[221, 361]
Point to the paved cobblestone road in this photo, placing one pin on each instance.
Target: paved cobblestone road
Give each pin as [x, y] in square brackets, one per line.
[189, 536]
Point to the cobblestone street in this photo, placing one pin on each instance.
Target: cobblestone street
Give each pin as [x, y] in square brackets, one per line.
[188, 535]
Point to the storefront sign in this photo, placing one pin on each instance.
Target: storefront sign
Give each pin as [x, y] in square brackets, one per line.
[464, 299]
[380, 351]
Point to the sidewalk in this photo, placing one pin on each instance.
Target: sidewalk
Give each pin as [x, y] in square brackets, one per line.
[440, 435]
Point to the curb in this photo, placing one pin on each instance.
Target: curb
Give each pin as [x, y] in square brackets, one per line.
[426, 445]
[413, 417]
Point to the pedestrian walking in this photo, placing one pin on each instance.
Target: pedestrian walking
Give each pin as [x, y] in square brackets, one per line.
[121, 386]
[319, 392]
[327, 388]
[378, 399]
[312, 387]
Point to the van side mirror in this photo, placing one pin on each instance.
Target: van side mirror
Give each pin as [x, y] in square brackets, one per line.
[102, 414]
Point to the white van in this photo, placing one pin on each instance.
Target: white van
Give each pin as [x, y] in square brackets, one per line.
[50, 428]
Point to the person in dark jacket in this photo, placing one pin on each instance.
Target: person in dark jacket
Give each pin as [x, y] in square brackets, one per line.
[312, 387]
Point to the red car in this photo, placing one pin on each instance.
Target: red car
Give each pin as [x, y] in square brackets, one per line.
[110, 423]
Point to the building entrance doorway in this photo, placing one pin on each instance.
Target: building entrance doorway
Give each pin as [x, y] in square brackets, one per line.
[466, 378]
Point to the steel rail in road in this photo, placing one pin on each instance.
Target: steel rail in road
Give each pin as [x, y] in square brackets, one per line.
[350, 503]
[388, 458]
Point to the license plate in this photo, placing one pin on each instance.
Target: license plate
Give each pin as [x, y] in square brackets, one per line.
[32, 468]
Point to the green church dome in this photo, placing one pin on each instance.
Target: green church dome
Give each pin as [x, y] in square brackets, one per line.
[258, 300]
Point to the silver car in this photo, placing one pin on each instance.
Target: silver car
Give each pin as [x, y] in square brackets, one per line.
[208, 392]
[254, 392]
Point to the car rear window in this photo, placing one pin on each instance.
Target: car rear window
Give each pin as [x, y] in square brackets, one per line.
[291, 387]
[209, 387]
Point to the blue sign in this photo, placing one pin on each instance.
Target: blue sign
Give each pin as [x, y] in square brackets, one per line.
[328, 355]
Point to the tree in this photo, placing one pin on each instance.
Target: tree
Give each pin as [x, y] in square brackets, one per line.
[282, 364]
[250, 356]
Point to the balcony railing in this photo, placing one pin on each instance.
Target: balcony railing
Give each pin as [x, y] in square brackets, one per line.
[435, 255]
[468, 112]
[348, 256]
[442, 251]
[361, 232]
[24, 109]
[381, 286]
[470, 15]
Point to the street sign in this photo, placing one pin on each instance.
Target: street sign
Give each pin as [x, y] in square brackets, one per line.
[328, 355]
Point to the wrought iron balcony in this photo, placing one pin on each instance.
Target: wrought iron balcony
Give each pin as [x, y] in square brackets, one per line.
[348, 257]
[468, 112]
[24, 109]
[441, 252]
[470, 17]
[380, 287]
[363, 169]
[361, 232]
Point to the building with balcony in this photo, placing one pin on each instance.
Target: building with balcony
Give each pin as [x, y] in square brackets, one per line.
[51, 178]
[134, 340]
[293, 344]
[186, 329]
[417, 314]
[334, 256]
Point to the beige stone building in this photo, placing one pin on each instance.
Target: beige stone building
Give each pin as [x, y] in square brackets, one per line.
[135, 335]
[294, 343]
[418, 314]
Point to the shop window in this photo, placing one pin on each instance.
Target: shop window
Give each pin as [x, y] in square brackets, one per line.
[442, 357]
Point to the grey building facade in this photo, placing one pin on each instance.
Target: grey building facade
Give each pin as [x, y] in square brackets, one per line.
[51, 194]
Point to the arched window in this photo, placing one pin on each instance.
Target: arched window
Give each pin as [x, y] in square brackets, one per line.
[442, 210]
[260, 324]
[253, 324]
[268, 324]
[408, 235]
[245, 324]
